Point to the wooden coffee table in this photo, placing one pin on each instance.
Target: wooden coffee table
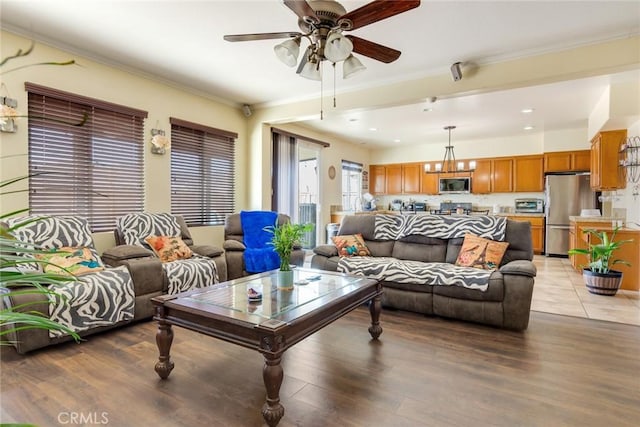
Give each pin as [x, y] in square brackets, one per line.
[272, 325]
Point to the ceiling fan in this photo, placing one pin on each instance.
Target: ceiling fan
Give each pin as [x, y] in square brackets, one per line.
[322, 23]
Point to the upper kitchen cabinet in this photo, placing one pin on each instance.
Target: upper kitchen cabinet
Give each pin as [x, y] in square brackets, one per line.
[396, 178]
[378, 179]
[528, 173]
[429, 181]
[606, 174]
[481, 178]
[492, 176]
[567, 161]
[502, 175]
[411, 178]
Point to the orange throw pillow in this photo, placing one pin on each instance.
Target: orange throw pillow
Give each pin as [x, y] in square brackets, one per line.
[351, 245]
[479, 252]
[169, 248]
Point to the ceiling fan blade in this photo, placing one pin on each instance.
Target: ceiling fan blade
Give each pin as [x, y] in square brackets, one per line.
[377, 11]
[260, 36]
[302, 9]
[373, 50]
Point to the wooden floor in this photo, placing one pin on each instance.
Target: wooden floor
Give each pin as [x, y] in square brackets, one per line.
[563, 371]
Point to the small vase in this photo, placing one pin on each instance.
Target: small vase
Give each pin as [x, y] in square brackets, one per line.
[285, 279]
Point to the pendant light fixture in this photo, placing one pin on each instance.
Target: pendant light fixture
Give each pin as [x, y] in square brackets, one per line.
[449, 164]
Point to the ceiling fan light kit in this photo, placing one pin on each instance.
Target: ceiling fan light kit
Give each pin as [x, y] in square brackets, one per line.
[288, 51]
[351, 66]
[322, 23]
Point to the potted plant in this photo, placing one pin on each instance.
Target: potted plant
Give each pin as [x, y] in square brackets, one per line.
[598, 276]
[284, 238]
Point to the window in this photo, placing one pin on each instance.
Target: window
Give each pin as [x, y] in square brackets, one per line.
[202, 173]
[91, 168]
[351, 185]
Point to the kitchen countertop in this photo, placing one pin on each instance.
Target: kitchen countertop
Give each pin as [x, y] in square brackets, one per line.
[593, 218]
[391, 212]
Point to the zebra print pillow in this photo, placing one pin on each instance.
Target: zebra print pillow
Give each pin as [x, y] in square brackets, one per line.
[137, 227]
[54, 232]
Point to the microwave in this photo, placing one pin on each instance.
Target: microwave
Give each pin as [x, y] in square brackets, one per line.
[454, 185]
[529, 206]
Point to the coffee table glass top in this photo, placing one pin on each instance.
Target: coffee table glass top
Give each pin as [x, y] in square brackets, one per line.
[309, 286]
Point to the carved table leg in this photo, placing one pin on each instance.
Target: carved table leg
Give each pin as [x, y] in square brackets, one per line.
[164, 338]
[375, 306]
[272, 375]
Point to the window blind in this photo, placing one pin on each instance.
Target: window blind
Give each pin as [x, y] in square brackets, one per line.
[93, 170]
[202, 173]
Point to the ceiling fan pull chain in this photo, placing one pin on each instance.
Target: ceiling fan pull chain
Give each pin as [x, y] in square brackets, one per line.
[334, 85]
[321, 91]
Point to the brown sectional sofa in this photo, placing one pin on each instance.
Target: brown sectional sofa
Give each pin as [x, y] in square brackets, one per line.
[506, 303]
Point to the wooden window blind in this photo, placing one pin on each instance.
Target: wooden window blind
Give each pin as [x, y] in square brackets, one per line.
[93, 170]
[202, 173]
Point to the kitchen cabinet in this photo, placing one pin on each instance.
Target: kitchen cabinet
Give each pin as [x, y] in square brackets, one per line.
[567, 161]
[481, 178]
[537, 230]
[396, 178]
[529, 173]
[378, 179]
[492, 176]
[502, 175]
[429, 181]
[606, 174]
[411, 178]
[629, 252]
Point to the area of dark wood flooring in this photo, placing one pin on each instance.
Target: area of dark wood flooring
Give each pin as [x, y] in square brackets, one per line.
[424, 371]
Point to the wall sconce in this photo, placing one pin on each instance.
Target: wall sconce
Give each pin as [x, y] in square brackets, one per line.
[8, 114]
[159, 142]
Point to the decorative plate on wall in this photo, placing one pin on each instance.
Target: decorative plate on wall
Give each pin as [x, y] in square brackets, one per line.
[332, 172]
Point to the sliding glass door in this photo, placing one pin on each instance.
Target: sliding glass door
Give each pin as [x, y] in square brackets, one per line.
[296, 186]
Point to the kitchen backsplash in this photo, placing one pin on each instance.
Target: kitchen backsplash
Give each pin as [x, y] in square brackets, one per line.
[479, 201]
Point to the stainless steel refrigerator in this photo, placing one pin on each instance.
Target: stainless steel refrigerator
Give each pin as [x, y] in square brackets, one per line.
[565, 196]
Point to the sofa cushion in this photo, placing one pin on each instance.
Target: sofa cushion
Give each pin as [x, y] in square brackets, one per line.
[495, 291]
[479, 252]
[70, 261]
[138, 226]
[50, 232]
[169, 248]
[351, 245]
[420, 248]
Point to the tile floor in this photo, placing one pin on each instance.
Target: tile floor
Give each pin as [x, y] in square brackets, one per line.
[560, 290]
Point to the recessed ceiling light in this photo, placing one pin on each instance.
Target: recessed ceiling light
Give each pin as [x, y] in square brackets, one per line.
[527, 110]
[373, 129]
[528, 127]
[396, 140]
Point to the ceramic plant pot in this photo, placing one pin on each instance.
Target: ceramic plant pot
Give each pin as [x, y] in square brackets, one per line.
[285, 279]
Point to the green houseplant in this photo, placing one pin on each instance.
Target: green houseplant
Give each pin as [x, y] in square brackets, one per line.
[18, 259]
[284, 238]
[599, 278]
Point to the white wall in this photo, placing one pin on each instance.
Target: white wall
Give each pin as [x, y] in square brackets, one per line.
[103, 82]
